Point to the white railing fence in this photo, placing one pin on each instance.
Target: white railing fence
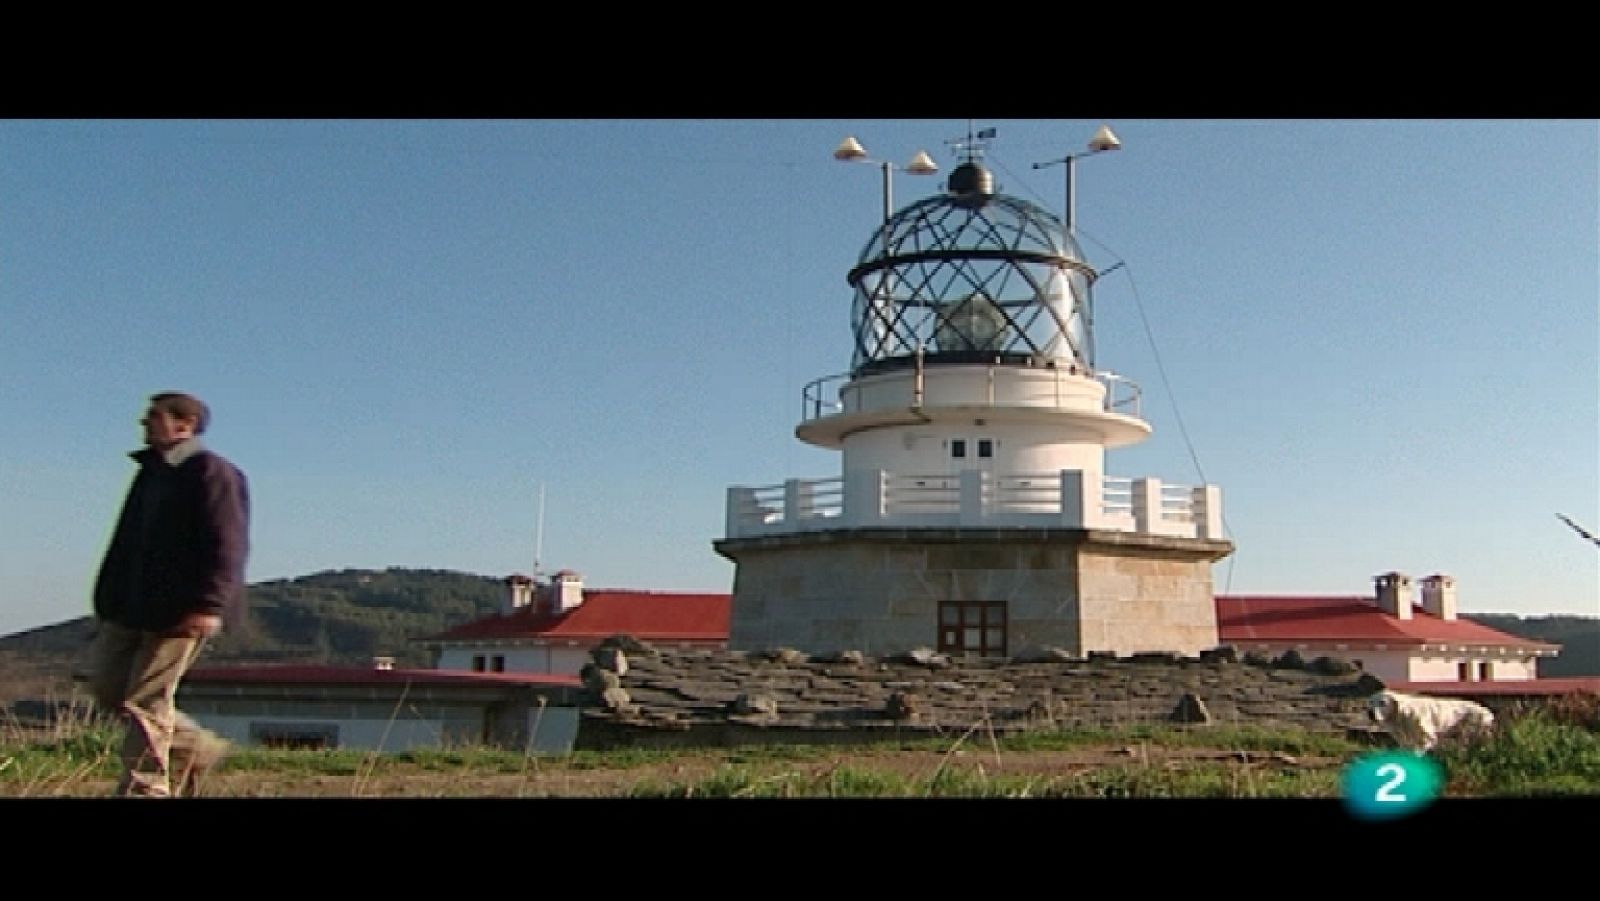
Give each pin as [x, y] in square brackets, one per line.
[976, 498]
[826, 396]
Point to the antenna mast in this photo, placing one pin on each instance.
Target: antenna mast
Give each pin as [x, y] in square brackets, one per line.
[538, 540]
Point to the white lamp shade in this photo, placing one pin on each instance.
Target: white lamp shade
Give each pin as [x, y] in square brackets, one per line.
[922, 164]
[849, 149]
[1104, 140]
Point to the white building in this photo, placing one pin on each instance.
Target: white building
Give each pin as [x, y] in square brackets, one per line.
[510, 680]
[383, 708]
[1388, 633]
[554, 628]
[973, 511]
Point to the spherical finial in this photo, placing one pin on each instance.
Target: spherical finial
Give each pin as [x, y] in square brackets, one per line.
[971, 184]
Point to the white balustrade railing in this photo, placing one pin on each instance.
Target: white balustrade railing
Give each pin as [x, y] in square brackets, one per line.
[1117, 497]
[1029, 492]
[1177, 503]
[913, 495]
[874, 498]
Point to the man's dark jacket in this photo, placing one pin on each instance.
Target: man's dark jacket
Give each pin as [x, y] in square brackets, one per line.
[179, 545]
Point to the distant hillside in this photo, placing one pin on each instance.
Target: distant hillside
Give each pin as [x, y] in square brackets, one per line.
[345, 616]
[1579, 637]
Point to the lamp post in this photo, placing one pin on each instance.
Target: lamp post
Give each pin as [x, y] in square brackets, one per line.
[851, 151]
[1102, 141]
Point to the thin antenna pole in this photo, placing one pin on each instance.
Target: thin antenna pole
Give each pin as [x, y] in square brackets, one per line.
[538, 540]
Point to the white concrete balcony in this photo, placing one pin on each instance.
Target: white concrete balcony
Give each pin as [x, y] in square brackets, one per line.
[1101, 404]
[1051, 389]
[976, 499]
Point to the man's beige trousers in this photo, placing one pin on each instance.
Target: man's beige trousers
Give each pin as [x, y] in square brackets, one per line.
[135, 675]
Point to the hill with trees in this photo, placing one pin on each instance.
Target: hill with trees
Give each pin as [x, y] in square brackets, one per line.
[343, 617]
[1579, 637]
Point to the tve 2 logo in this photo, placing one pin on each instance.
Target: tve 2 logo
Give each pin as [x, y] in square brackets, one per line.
[1391, 785]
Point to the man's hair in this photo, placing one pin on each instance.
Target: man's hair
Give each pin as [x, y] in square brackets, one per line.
[183, 406]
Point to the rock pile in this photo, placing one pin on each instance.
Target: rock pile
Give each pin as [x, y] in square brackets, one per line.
[719, 696]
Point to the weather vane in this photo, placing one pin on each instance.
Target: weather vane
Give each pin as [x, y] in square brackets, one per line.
[974, 144]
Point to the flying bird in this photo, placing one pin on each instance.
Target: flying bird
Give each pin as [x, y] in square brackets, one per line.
[1579, 529]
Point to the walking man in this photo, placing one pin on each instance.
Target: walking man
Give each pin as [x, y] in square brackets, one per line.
[173, 574]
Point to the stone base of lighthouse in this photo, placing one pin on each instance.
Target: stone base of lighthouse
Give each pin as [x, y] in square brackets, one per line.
[990, 592]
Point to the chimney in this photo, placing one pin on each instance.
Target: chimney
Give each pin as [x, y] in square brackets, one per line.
[519, 592]
[1439, 596]
[566, 591]
[1394, 594]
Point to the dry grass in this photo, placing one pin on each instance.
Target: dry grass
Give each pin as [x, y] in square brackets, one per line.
[902, 774]
[78, 759]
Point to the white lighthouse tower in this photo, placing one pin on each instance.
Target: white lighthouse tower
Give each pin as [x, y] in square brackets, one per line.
[973, 512]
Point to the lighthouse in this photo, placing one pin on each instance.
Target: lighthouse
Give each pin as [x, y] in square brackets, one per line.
[973, 512]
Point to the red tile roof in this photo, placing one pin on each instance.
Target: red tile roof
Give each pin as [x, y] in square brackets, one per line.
[645, 615]
[303, 674]
[1243, 618]
[663, 616]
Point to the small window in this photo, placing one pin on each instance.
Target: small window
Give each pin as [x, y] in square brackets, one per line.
[972, 628]
[1485, 671]
[478, 663]
[1464, 671]
[985, 448]
[498, 663]
[308, 736]
[958, 448]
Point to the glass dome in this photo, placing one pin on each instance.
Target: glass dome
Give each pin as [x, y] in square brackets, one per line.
[971, 276]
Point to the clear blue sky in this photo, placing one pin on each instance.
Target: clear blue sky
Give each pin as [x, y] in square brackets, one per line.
[1381, 336]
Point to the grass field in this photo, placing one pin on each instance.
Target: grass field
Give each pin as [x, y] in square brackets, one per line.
[1553, 752]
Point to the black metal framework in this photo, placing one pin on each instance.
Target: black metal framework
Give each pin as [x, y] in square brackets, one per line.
[988, 278]
[972, 627]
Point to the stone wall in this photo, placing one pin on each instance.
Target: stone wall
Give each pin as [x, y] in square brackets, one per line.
[879, 590]
[715, 697]
[1131, 604]
[882, 596]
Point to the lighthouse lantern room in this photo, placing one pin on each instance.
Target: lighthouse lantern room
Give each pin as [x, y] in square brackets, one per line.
[972, 513]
